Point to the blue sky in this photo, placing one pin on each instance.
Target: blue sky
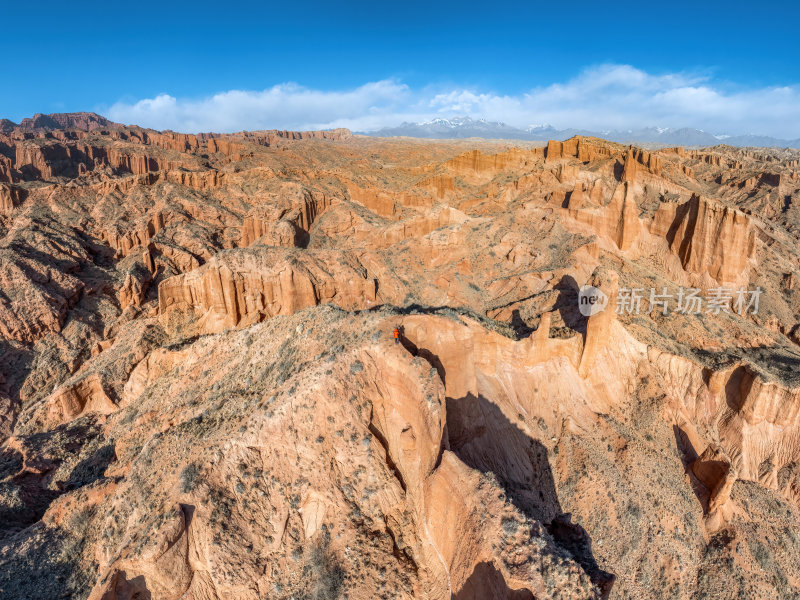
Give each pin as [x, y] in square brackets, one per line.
[727, 67]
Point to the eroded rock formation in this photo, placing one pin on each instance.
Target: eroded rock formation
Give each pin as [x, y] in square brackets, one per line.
[201, 396]
[713, 469]
[708, 237]
[236, 290]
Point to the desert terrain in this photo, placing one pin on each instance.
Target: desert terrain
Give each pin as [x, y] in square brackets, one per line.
[201, 396]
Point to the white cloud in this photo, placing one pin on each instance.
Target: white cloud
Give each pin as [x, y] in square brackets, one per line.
[600, 98]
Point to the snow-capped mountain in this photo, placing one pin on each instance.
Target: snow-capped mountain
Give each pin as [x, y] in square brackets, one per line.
[466, 127]
[457, 127]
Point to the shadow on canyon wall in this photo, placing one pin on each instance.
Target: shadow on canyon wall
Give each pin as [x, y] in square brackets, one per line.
[485, 439]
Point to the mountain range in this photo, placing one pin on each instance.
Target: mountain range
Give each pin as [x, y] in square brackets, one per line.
[463, 128]
[466, 127]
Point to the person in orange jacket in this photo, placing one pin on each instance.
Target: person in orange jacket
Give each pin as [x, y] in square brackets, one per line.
[396, 335]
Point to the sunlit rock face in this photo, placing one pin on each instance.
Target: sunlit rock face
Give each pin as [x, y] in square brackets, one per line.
[202, 396]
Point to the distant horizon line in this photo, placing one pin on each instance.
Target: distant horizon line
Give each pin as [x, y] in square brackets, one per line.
[554, 133]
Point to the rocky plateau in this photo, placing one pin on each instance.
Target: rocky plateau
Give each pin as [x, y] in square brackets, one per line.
[201, 396]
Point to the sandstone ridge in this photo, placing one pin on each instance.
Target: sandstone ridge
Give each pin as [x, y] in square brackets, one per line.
[201, 394]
